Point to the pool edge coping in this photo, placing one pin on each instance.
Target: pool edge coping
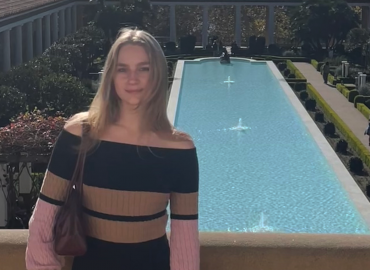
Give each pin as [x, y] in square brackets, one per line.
[346, 180]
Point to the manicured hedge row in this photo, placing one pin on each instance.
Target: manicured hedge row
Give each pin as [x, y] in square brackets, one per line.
[294, 70]
[352, 140]
[363, 109]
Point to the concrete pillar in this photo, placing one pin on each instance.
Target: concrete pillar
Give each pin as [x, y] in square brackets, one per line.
[47, 39]
[54, 27]
[62, 24]
[270, 21]
[74, 19]
[68, 21]
[29, 42]
[18, 45]
[38, 36]
[366, 17]
[6, 50]
[205, 26]
[172, 23]
[238, 27]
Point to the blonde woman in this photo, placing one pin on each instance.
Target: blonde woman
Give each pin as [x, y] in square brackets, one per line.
[136, 164]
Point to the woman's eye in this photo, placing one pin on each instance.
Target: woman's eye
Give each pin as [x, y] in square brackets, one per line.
[145, 69]
[121, 70]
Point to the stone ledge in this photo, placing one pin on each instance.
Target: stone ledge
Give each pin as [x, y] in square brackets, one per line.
[238, 251]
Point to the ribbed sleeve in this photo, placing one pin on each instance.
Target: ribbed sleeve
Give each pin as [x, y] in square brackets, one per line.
[40, 253]
[184, 237]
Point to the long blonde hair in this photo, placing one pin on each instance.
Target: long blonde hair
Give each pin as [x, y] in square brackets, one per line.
[105, 107]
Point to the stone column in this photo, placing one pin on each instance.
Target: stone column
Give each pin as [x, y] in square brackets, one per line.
[54, 27]
[172, 23]
[6, 50]
[205, 26]
[18, 45]
[74, 19]
[366, 17]
[47, 31]
[62, 24]
[270, 21]
[38, 36]
[238, 22]
[68, 21]
[29, 42]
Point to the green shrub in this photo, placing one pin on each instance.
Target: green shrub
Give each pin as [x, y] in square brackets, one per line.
[360, 99]
[291, 76]
[62, 92]
[363, 109]
[72, 54]
[356, 165]
[319, 117]
[26, 78]
[11, 102]
[286, 72]
[352, 94]
[303, 95]
[341, 146]
[282, 66]
[329, 129]
[310, 104]
[300, 87]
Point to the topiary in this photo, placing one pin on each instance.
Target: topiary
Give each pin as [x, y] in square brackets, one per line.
[303, 95]
[329, 129]
[62, 92]
[300, 86]
[282, 66]
[356, 165]
[319, 117]
[341, 146]
[286, 72]
[310, 104]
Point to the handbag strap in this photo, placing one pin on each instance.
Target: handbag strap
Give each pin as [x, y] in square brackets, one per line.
[77, 177]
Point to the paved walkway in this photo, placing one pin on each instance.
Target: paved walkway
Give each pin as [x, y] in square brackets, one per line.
[345, 110]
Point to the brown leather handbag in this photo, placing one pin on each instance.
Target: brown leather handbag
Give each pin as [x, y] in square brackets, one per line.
[69, 229]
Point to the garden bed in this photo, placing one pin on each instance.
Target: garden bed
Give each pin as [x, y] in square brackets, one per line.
[363, 179]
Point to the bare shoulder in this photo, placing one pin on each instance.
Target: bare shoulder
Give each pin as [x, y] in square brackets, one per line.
[181, 140]
[74, 124]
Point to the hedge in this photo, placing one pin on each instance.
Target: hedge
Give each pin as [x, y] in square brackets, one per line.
[294, 70]
[341, 88]
[363, 109]
[352, 140]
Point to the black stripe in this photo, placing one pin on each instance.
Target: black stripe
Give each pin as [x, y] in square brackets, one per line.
[50, 200]
[124, 218]
[184, 217]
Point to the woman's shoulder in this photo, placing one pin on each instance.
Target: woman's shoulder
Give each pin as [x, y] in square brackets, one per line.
[75, 123]
[178, 140]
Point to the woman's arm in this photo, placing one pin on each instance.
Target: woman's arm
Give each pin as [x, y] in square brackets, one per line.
[184, 237]
[40, 253]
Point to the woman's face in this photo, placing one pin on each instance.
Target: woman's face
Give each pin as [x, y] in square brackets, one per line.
[131, 79]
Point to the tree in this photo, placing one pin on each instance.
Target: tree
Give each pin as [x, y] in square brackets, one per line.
[323, 23]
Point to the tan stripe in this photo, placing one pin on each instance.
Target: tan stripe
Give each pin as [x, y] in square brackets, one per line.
[125, 232]
[184, 203]
[54, 187]
[124, 203]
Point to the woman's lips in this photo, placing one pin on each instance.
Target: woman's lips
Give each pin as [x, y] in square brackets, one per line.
[132, 91]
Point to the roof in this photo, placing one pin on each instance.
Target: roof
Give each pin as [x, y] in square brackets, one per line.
[10, 7]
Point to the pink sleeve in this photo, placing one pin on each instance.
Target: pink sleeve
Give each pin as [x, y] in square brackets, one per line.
[40, 253]
[184, 245]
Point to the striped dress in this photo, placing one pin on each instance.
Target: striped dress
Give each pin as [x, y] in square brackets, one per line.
[126, 191]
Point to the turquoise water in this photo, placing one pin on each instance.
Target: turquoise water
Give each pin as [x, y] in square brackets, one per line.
[270, 177]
